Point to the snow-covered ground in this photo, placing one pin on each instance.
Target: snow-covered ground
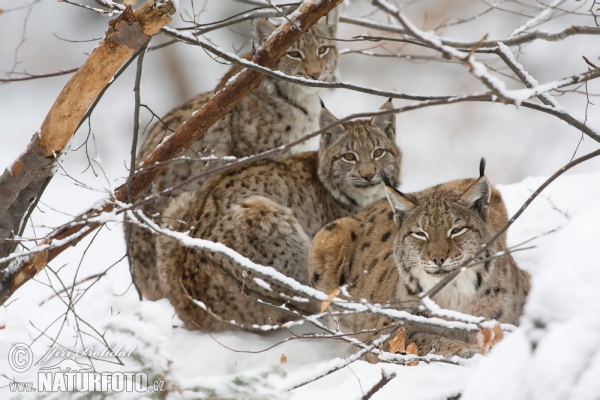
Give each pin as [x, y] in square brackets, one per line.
[554, 354]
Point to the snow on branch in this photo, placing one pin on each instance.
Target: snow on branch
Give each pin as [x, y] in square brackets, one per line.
[273, 275]
[464, 45]
[537, 19]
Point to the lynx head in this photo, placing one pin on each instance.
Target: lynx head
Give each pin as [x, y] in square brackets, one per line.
[313, 56]
[439, 231]
[352, 156]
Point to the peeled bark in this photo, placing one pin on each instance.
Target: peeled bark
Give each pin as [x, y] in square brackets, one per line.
[25, 180]
[219, 105]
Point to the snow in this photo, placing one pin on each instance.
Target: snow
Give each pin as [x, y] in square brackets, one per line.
[562, 318]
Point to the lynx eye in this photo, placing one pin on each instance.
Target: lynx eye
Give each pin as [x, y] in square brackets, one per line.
[321, 51]
[419, 235]
[349, 157]
[377, 153]
[457, 232]
[294, 55]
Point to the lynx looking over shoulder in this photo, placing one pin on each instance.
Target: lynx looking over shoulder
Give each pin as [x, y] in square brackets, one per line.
[268, 211]
[275, 113]
[394, 250]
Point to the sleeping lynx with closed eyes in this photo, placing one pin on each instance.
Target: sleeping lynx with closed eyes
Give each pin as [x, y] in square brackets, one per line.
[395, 249]
[275, 113]
[268, 211]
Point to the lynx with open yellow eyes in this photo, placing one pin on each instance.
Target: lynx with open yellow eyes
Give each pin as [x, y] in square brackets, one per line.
[396, 249]
[274, 114]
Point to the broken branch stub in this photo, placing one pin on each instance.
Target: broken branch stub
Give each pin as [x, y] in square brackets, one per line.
[24, 181]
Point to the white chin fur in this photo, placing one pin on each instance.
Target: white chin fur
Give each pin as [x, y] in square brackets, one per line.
[366, 196]
[309, 89]
[455, 293]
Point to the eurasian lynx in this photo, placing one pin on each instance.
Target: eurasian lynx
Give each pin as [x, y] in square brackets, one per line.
[390, 254]
[275, 113]
[268, 211]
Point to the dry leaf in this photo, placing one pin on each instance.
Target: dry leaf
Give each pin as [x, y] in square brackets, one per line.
[498, 334]
[283, 358]
[398, 343]
[327, 301]
[412, 349]
[488, 337]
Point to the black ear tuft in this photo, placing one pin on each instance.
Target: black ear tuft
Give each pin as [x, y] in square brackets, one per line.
[482, 167]
[390, 99]
[322, 104]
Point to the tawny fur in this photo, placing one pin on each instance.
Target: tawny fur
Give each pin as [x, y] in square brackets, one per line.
[275, 113]
[376, 254]
[268, 211]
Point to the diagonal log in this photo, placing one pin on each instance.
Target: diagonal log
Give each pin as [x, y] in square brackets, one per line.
[24, 269]
[23, 183]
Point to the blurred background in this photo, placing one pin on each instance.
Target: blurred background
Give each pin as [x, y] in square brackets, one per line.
[439, 143]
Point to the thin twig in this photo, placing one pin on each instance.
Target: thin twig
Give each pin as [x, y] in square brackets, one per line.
[134, 141]
[385, 379]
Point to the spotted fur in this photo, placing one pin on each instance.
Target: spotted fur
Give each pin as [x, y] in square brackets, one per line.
[268, 211]
[275, 113]
[395, 249]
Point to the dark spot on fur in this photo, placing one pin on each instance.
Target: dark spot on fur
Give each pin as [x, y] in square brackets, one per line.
[365, 245]
[330, 227]
[389, 253]
[498, 314]
[343, 279]
[419, 287]
[386, 236]
[391, 215]
[316, 277]
[373, 263]
[288, 128]
[353, 236]
[478, 283]
[410, 290]
[372, 219]
[228, 184]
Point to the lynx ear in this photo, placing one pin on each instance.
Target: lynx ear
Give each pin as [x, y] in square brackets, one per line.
[386, 123]
[261, 30]
[477, 197]
[327, 138]
[401, 205]
[330, 21]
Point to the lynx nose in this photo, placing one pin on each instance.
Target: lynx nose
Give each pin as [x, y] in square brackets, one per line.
[368, 177]
[438, 259]
[315, 75]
